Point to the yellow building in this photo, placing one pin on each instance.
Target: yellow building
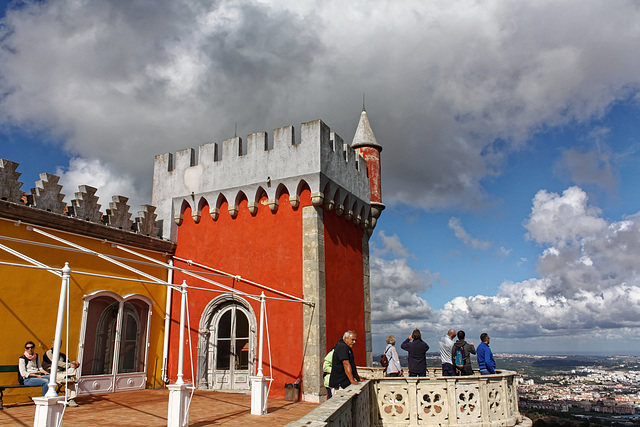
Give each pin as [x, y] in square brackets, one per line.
[116, 307]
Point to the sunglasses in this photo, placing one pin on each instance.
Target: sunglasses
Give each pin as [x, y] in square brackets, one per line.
[30, 347]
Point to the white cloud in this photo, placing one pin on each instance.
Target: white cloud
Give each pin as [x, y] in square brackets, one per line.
[589, 280]
[96, 174]
[391, 245]
[453, 87]
[456, 225]
[563, 220]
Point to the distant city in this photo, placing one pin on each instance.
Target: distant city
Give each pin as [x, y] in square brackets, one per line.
[580, 389]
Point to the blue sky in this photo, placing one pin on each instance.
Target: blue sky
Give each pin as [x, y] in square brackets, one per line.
[510, 134]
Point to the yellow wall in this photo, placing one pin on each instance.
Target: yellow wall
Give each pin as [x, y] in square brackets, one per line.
[29, 298]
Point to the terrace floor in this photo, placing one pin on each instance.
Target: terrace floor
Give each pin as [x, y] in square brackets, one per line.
[149, 408]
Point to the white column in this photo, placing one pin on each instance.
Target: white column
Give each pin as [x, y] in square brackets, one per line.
[183, 302]
[48, 410]
[260, 342]
[259, 382]
[178, 413]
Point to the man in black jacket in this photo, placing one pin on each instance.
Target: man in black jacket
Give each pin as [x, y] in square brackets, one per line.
[343, 366]
[467, 350]
[417, 354]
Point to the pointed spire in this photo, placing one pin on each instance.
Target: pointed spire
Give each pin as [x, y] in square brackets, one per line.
[364, 136]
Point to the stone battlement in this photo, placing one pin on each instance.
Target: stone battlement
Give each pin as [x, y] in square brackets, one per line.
[231, 170]
[47, 196]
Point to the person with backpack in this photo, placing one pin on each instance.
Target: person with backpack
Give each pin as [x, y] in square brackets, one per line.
[393, 367]
[446, 345]
[417, 354]
[461, 355]
[30, 372]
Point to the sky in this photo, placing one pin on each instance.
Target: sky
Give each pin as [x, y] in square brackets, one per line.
[509, 129]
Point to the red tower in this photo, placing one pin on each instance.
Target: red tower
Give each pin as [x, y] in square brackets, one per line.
[291, 220]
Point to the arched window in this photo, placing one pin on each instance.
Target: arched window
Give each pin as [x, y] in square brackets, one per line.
[114, 342]
[226, 349]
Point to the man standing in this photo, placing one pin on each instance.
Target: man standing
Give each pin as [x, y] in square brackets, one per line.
[343, 366]
[485, 356]
[446, 344]
[417, 354]
[467, 350]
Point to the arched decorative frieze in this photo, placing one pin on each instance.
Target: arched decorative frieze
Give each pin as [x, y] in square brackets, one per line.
[179, 217]
[317, 199]
[197, 214]
[337, 198]
[302, 186]
[215, 212]
[329, 203]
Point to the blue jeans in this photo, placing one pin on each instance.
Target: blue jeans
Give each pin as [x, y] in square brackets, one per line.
[448, 370]
[484, 372]
[33, 381]
[414, 374]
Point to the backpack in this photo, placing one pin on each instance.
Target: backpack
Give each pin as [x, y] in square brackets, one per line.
[459, 359]
[384, 361]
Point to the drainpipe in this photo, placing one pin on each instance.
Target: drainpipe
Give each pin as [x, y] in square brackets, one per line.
[167, 325]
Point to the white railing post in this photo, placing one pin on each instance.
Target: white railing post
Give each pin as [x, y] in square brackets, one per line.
[178, 413]
[183, 303]
[260, 344]
[48, 411]
[259, 382]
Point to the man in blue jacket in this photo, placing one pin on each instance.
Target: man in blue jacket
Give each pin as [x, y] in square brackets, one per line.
[417, 354]
[485, 356]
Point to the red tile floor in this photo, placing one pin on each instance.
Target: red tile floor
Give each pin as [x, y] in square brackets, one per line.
[149, 408]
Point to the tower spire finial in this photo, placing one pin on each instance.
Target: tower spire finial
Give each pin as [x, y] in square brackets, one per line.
[235, 132]
[363, 109]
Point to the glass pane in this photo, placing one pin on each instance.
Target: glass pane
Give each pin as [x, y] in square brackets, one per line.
[224, 325]
[105, 333]
[242, 361]
[133, 338]
[224, 354]
[242, 325]
[128, 344]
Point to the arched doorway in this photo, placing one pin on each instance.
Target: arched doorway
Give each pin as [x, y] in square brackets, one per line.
[113, 343]
[226, 348]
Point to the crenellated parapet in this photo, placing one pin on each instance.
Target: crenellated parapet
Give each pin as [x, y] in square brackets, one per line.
[232, 171]
[47, 196]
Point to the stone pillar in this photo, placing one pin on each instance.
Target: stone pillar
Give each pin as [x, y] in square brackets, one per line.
[366, 294]
[313, 286]
[49, 411]
[178, 413]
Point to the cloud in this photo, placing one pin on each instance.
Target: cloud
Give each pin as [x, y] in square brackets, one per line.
[456, 225]
[563, 220]
[95, 173]
[586, 167]
[391, 245]
[396, 286]
[589, 281]
[453, 87]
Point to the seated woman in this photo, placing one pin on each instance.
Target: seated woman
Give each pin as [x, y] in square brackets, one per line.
[31, 372]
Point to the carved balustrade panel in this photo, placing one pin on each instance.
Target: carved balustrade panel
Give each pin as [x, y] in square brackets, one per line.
[433, 404]
[468, 409]
[495, 401]
[393, 402]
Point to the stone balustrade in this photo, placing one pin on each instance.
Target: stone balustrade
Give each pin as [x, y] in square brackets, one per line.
[487, 400]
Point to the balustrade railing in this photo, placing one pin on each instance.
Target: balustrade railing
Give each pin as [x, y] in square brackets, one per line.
[476, 400]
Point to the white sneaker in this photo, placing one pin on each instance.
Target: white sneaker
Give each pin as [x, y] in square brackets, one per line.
[72, 403]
